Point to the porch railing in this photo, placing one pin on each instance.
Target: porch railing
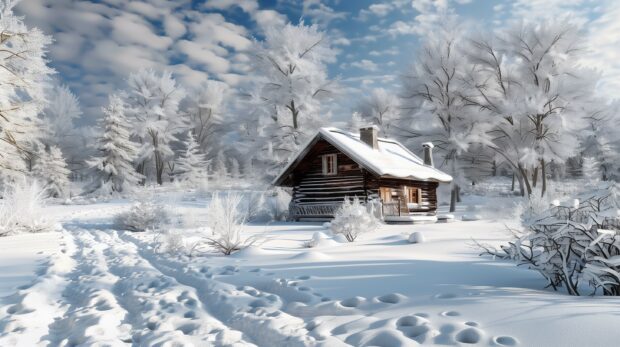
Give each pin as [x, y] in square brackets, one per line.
[393, 208]
[323, 210]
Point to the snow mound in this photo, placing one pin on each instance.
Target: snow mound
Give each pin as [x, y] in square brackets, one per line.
[445, 218]
[311, 256]
[340, 238]
[380, 337]
[250, 252]
[471, 217]
[320, 239]
[416, 237]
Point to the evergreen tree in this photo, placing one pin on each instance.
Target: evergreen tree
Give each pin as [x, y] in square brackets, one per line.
[191, 165]
[50, 167]
[114, 169]
[591, 169]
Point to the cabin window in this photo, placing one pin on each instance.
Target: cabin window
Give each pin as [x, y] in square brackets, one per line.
[414, 195]
[330, 166]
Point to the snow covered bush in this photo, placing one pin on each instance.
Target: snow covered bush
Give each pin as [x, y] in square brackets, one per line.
[266, 206]
[353, 219]
[142, 216]
[571, 244]
[226, 219]
[21, 208]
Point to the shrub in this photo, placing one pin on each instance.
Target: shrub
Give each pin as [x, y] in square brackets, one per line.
[226, 219]
[21, 208]
[571, 244]
[353, 219]
[143, 216]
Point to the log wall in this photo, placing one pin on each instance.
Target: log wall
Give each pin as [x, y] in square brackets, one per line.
[318, 196]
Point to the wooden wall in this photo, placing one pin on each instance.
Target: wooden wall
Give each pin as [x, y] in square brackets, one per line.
[311, 187]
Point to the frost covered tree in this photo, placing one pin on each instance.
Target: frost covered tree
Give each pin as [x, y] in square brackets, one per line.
[23, 76]
[590, 169]
[600, 139]
[206, 109]
[112, 169]
[432, 107]
[235, 170]
[381, 108]
[191, 166]
[530, 84]
[291, 87]
[220, 171]
[51, 169]
[153, 107]
[62, 110]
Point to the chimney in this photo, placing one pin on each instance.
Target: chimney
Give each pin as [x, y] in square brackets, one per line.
[368, 135]
[428, 153]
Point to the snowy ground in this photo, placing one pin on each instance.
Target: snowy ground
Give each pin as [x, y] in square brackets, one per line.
[91, 283]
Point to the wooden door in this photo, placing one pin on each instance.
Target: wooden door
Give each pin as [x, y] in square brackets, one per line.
[385, 194]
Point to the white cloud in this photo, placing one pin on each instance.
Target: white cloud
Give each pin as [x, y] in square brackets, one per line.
[320, 13]
[265, 18]
[365, 64]
[342, 41]
[380, 10]
[97, 44]
[248, 6]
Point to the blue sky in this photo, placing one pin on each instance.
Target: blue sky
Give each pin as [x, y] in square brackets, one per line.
[98, 43]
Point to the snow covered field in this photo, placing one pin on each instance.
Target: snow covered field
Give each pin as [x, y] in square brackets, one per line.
[92, 284]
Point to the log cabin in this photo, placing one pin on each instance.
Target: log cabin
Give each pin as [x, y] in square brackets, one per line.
[336, 165]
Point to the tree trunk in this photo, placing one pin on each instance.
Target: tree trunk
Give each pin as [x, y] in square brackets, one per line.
[523, 179]
[458, 193]
[526, 182]
[512, 188]
[159, 168]
[453, 198]
[141, 169]
[535, 177]
[294, 113]
[544, 177]
[494, 168]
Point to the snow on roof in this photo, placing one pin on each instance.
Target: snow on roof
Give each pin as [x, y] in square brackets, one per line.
[392, 159]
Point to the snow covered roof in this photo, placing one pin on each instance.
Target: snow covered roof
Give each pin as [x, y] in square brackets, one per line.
[390, 160]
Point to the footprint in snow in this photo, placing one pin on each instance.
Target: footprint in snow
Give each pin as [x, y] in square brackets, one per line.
[450, 314]
[353, 302]
[469, 335]
[445, 296]
[505, 341]
[393, 298]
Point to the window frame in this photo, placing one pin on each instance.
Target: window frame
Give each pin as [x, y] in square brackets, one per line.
[334, 164]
